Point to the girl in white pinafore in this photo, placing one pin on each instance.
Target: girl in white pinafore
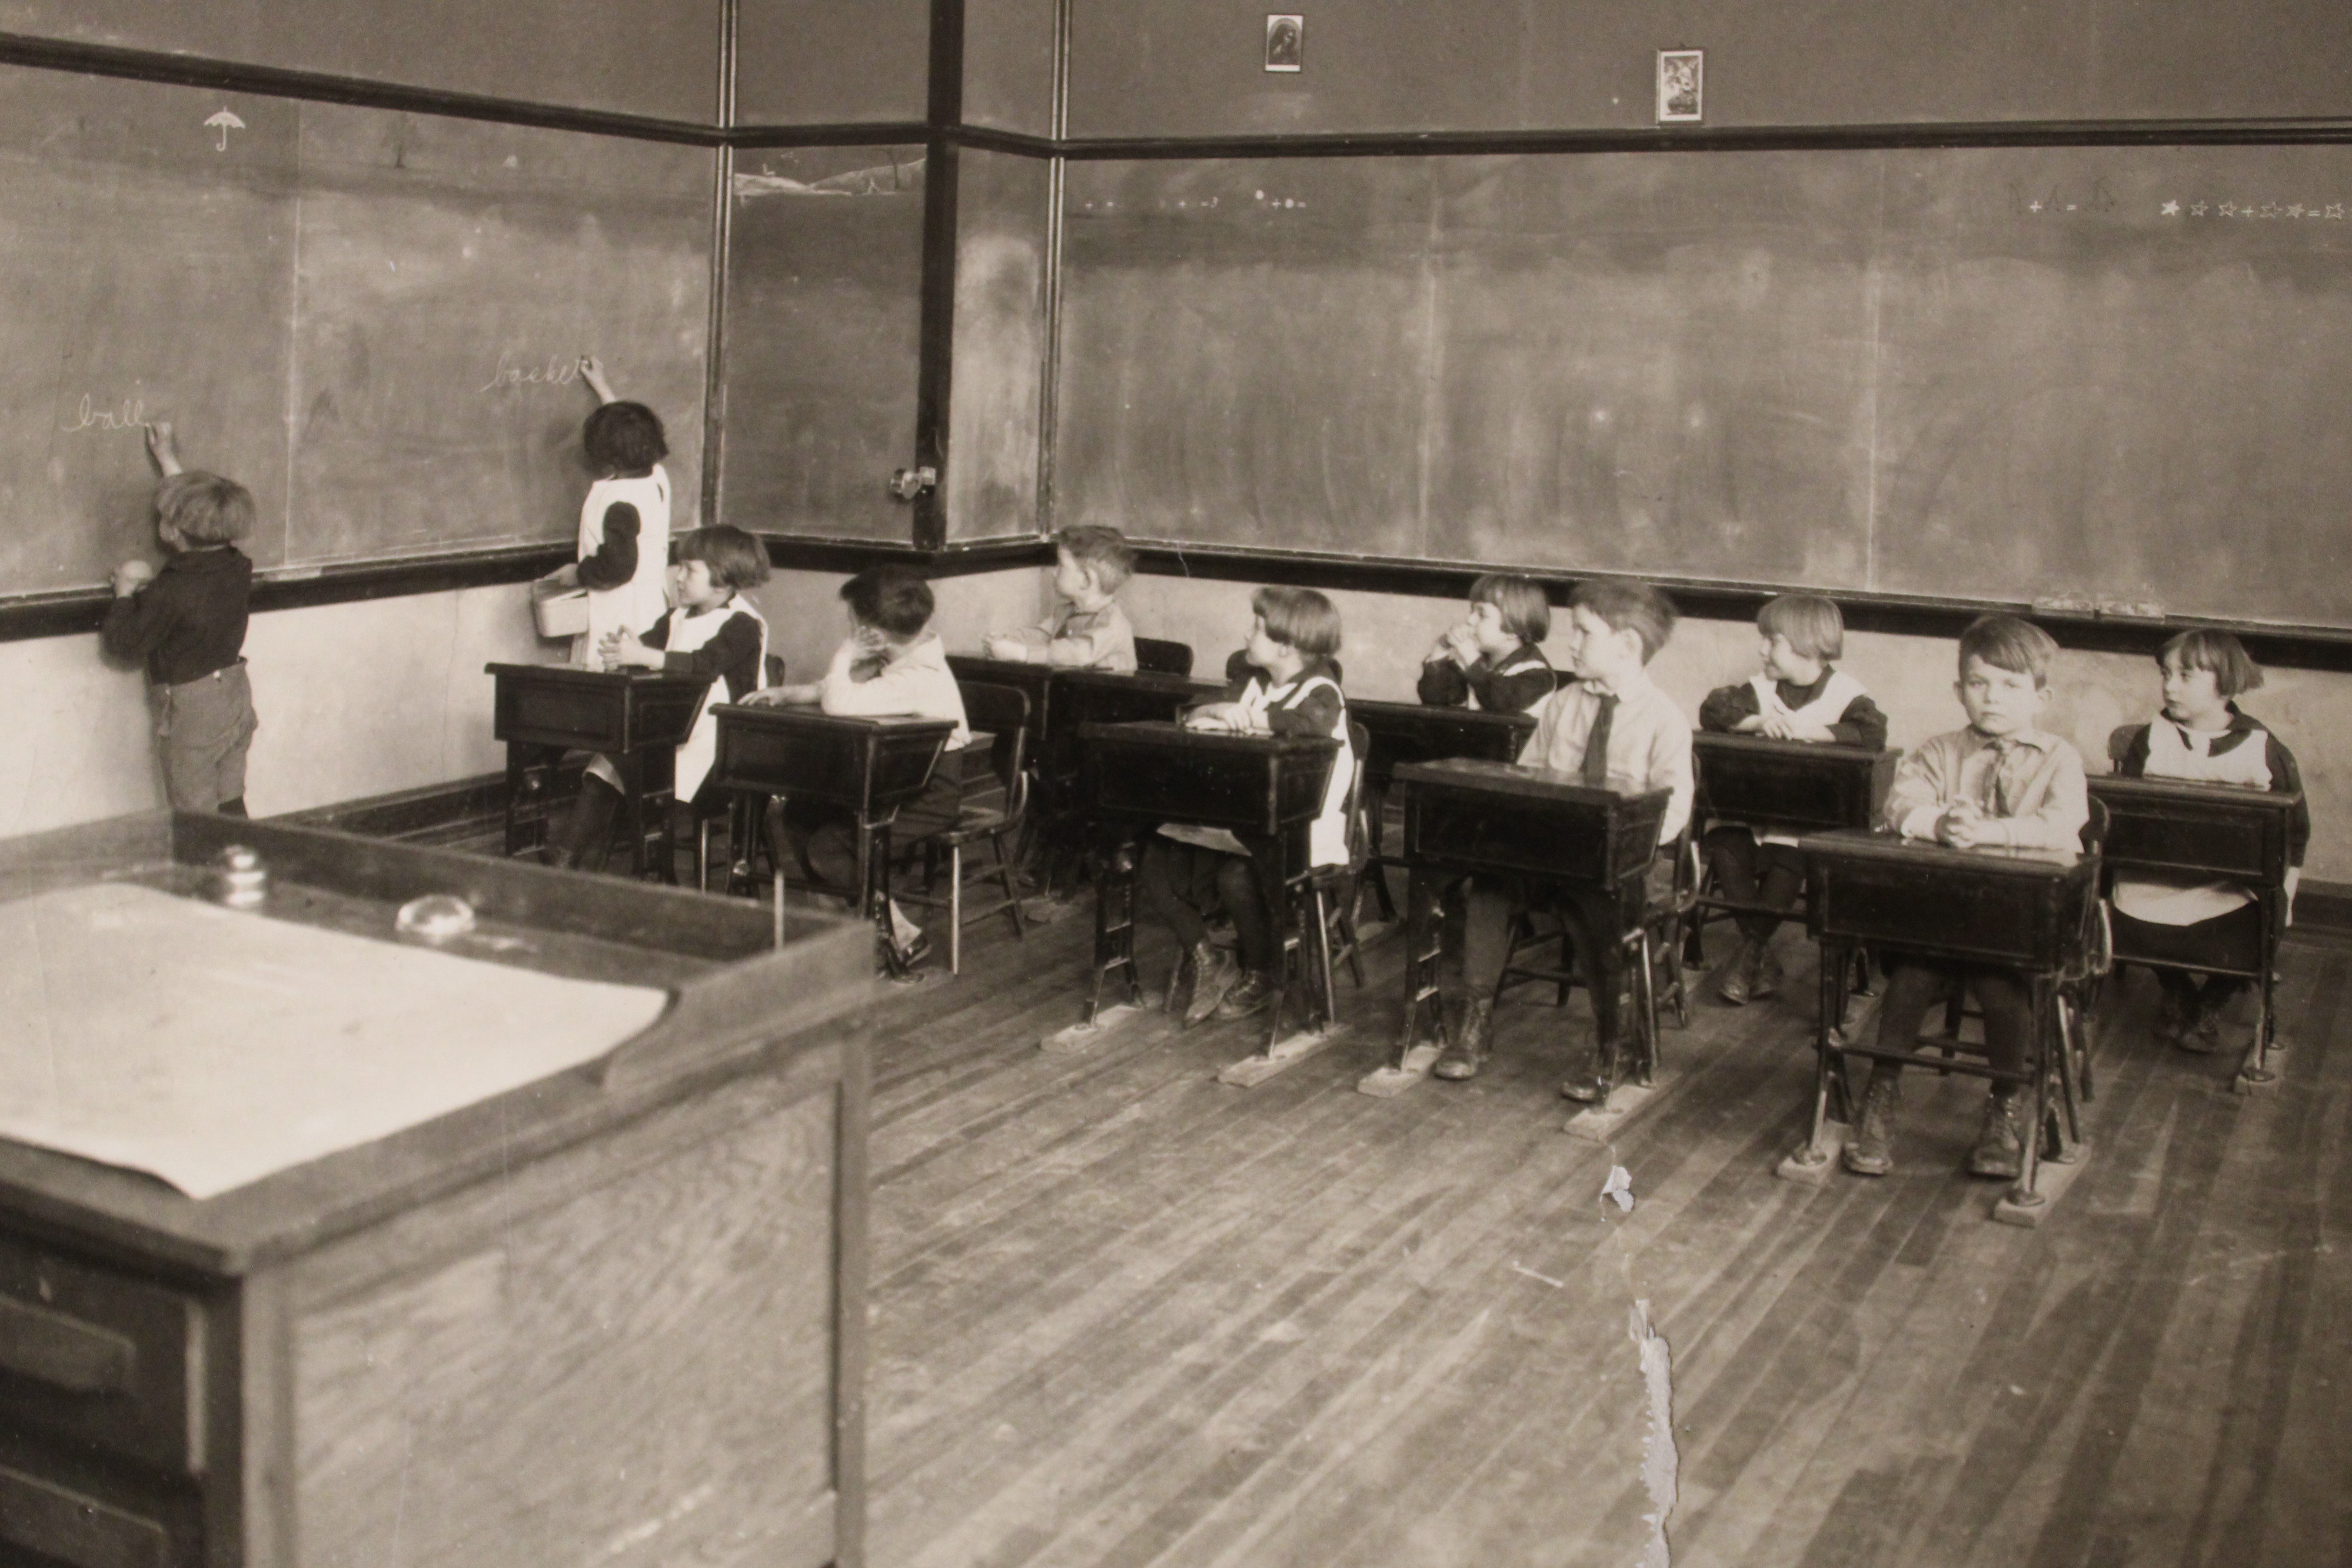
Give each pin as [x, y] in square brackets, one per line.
[2201, 736]
[623, 522]
[714, 635]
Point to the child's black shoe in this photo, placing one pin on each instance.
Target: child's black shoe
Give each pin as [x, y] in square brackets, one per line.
[2001, 1143]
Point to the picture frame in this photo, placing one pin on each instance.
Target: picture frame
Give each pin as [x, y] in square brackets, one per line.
[1285, 39]
[1682, 86]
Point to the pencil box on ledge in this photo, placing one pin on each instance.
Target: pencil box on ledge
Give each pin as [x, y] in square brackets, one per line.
[560, 611]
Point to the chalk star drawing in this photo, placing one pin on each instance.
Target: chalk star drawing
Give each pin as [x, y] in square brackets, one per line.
[2197, 209]
[2173, 209]
[223, 123]
[2229, 210]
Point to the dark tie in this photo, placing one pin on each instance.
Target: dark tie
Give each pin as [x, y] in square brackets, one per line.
[1596, 744]
[1994, 804]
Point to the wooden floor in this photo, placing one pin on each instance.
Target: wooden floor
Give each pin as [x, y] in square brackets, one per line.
[1125, 1315]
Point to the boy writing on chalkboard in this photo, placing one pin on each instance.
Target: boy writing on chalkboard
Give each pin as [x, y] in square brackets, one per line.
[2003, 781]
[188, 624]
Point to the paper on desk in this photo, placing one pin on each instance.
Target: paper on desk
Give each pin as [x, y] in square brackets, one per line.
[212, 1049]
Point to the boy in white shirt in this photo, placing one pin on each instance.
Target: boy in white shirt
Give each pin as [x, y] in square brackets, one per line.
[892, 665]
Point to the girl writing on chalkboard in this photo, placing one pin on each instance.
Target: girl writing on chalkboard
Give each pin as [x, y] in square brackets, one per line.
[625, 522]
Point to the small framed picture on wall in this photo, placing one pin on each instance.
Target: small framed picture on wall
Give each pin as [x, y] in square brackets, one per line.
[1285, 39]
[1682, 85]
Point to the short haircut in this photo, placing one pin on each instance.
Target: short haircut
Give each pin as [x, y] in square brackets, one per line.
[895, 599]
[1527, 614]
[1104, 552]
[1637, 605]
[736, 559]
[1811, 623]
[1300, 618]
[205, 508]
[624, 437]
[2234, 670]
[2007, 643]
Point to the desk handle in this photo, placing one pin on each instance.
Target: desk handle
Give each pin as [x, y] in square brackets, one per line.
[64, 1353]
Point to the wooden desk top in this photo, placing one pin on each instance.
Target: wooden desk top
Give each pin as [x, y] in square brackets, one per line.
[2179, 826]
[713, 954]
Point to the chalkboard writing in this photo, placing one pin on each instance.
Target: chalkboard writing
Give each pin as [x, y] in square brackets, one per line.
[370, 320]
[2105, 377]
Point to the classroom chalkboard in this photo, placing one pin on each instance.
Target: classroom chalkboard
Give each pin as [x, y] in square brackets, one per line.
[370, 319]
[1003, 201]
[2112, 377]
[823, 334]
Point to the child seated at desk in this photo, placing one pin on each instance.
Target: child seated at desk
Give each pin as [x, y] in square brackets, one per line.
[1285, 681]
[1492, 659]
[1090, 565]
[188, 625]
[625, 521]
[1797, 696]
[1610, 726]
[2001, 782]
[713, 635]
[2200, 735]
[892, 665]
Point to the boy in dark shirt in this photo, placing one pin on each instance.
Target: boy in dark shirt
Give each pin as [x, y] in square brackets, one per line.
[188, 624]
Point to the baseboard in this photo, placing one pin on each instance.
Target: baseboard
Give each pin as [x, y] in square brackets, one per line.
[2324, 907]
[429, 813]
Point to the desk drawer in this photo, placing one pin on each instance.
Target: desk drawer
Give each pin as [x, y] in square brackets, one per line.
[63, 1523]
[90, 1351]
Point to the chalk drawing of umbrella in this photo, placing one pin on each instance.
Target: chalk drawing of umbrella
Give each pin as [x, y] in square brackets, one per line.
[225, 122]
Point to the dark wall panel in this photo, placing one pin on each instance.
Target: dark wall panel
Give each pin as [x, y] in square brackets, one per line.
[823, 325]
[1195, 67]
[827, 62]
[658, 58]
[2110, 377]
[1008, 68]
[1000, 345]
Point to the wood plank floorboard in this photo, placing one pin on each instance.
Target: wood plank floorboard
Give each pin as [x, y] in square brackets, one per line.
[1126, 1315]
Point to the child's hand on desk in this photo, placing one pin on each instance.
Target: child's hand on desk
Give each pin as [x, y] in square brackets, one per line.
[1002, 645]
[1459, 644]
[1966, 826]
[622, 648]
[1224, 718]
[798, 695]
[131, 576]
[1780, 727]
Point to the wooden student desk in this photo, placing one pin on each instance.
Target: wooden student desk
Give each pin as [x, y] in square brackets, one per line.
[1794, 786]
[1465, 817]
[1082, 696]
[2220, 832]
[869, 767]
[1266, 790]
[616, 1316]
[1402, 733]
[636, 717]
[1034, 681]
[2030, 910]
